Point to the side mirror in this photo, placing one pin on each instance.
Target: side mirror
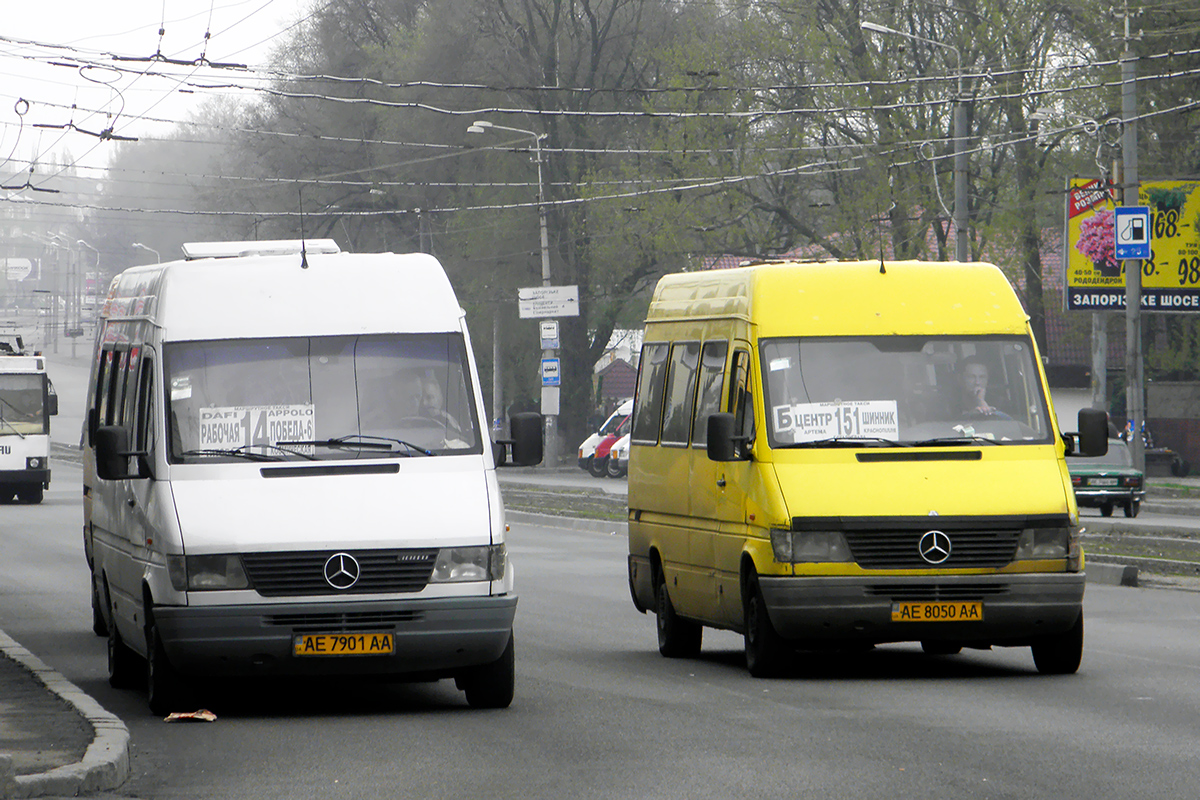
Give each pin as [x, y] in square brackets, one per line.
[723, 441]
[112, 455]
[52, 404]
[526, 445]
[1093, 432]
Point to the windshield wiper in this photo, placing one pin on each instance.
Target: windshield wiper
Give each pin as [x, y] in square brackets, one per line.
[362, 441]
[14, 427]
[243, 452]
[946, 440]
[846, 441]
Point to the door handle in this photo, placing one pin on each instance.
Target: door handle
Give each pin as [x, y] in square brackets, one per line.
[721, 482]
[131, 502]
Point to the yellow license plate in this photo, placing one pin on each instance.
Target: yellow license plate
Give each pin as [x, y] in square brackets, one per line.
[937, 612]
[344, 644]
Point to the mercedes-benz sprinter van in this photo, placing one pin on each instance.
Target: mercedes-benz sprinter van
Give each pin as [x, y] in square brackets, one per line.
[287, 473]
[848, 454]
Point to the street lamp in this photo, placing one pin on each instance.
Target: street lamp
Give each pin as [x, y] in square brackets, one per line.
[141, 246]
[961, 249]
[482, 126]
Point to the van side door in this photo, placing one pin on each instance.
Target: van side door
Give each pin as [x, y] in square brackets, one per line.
[732, 480]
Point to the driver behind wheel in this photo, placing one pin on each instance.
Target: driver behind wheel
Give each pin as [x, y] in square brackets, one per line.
[972, 391]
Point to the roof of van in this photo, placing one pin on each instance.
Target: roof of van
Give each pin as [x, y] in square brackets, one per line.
[841, 298]
[273, 295]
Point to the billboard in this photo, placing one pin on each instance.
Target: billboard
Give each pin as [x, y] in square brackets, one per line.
[1095, 278]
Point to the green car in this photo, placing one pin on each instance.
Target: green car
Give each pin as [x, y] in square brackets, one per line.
[1109, 480]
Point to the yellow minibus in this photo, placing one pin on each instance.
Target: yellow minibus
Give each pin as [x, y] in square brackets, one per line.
[848, 454]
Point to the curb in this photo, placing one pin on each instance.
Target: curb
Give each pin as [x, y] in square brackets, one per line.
[105, 764]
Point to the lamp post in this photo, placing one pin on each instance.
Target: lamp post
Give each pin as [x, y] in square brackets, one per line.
[141, 246]
[961, 249]
[482, 126]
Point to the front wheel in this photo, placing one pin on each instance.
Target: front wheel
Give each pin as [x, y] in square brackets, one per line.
[125, 669]
[165, 688]
[598, 466]
[1106, 510]
[491, 685]
[937, 647]
[1060, 654]
[677, 637]
[30, 494]
[765, 648]
[1132, 508]
[614, 470]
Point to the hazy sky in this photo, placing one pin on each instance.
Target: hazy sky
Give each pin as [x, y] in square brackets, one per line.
[39, 84]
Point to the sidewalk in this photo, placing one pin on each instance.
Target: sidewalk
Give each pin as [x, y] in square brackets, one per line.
[54, 739]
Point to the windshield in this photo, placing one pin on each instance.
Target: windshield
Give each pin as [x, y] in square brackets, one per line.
[902, 390]
[334, 397]
[21, 411]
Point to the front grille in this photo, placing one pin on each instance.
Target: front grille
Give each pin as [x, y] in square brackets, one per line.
[898, 549]
[342, 622]
[934, 592]
[303, 572]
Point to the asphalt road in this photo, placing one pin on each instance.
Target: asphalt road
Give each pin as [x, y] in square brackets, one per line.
[599, 714]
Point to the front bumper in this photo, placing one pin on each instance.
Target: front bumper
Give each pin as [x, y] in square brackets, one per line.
[1017, 609]
[27, 477]
[434, 638]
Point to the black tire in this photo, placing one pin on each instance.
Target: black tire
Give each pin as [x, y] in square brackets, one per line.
[766, 650]
[1106, 510]
[491, 685]
[677, 637]
[936, 647]
[598, 466]
[1132, 508]
[30, 494]
[165, 687]
[125, 668]
[1062, 653]
[99, 626]
[613, 470]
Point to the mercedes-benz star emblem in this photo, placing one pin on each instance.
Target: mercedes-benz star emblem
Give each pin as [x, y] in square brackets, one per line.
[341, 571]
[934, 547]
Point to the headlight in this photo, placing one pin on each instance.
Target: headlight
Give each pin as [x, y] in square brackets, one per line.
[793, 547]
[458, 564]
[1039, 543]
[208, 573]
[34, 462]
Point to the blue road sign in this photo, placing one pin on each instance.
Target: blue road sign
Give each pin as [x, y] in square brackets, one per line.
[1131, 229]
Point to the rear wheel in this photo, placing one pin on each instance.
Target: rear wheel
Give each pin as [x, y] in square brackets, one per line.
[1132, 508]
[165, 687]
[491, 685]
[766, 650]
[677, 637]
[1060, 654]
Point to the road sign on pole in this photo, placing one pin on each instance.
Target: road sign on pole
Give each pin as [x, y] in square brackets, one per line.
[1131, 229]
[548, 301]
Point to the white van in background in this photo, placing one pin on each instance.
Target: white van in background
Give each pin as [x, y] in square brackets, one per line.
[286, 474]
[587, 448]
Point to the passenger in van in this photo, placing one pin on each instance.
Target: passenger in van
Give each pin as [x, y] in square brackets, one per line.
[972, 391]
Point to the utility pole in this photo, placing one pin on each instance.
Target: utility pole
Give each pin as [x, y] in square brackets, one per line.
[1134, 382]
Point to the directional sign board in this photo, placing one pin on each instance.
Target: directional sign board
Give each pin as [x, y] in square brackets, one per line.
[1131, 227]
[550, 373]
[548, 301]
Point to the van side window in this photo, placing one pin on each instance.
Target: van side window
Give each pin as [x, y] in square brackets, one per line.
[708, 397]
[740, 404]
[100, 397]
[118, 387]
[647, 408]
[143, 420]
[681, 393]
